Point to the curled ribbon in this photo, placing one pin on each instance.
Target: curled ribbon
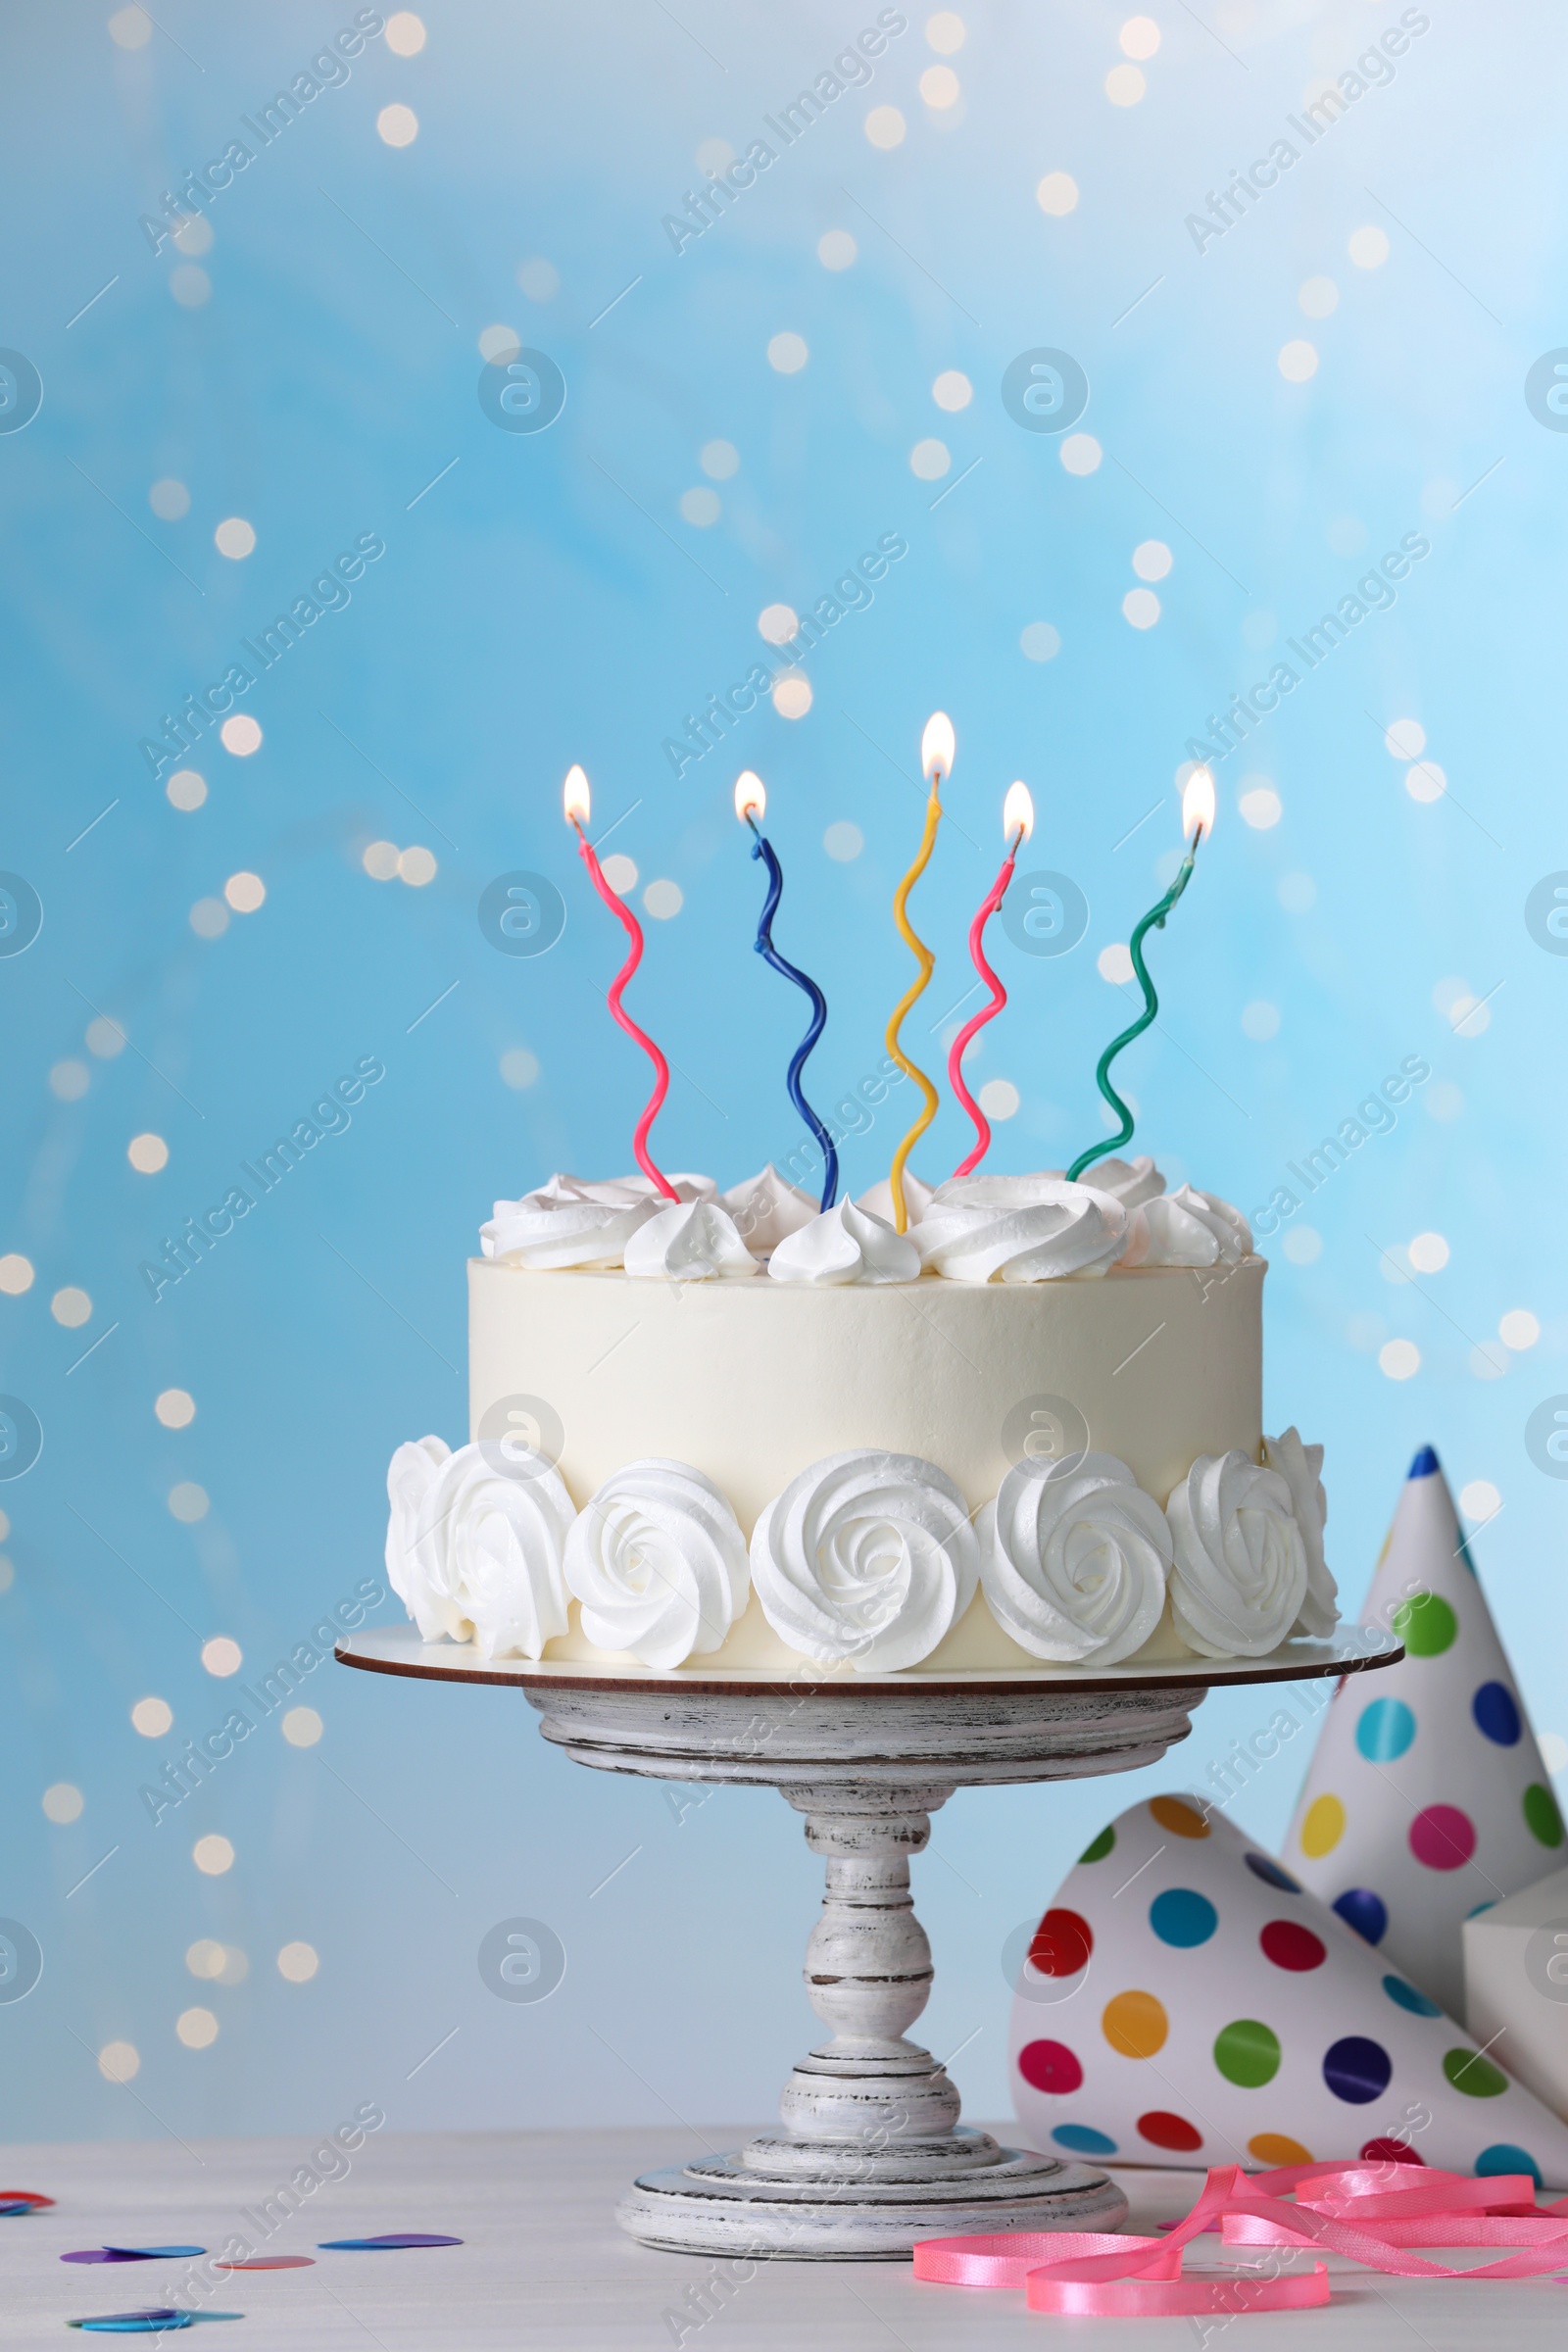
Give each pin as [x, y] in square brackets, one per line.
[1365, 2212]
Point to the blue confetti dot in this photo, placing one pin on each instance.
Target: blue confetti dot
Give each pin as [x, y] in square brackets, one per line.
[1504, 2157]
[1384, 1730]
[1264, 1866]
[1367, 1913]
[146, 2321]
[1496, 1714]
[1408, 1998]
[1082, 2141]
[1182, 1916]
[1357, 2069]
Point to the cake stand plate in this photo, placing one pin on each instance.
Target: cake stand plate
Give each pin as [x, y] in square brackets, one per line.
[871, 2156]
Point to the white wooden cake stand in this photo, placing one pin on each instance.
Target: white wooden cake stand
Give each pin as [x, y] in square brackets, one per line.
[871, 2155]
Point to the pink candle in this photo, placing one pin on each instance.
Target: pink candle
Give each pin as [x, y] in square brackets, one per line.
[1017, 821]
[576, 801]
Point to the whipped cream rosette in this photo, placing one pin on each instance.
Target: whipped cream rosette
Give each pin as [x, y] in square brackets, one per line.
[879, 1201]
[567, 1232]
[690, 1241]
[574, 1223]
[499, 1537]
[1132, 1182]
[1074, 1559]
[659, 1563]
[1019, 1229]
[410, 1474]
[475, 1552]
[844, 1244]
[766, 1208]
[1187, 1228]
[865, 1556]
[1301, 1468]
[1240, 1574]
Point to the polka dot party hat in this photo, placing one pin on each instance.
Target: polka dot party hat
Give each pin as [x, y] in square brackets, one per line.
[1426, 1797]
[1187, 2001]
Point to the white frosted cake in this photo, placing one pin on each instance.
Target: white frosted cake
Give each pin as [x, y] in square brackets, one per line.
[733, 1432]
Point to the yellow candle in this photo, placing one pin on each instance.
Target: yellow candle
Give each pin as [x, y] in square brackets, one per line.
[936, 748]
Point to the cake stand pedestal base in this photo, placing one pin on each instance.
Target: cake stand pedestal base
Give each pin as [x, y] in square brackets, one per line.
[870, 2156]
[723, 2207]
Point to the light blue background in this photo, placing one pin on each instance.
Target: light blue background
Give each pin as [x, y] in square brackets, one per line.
[545, 603]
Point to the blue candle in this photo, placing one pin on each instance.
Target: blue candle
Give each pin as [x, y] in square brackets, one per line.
[751, 802]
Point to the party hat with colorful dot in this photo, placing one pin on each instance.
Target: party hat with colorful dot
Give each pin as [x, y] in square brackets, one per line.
[1185, 2001]
[1426, 1798]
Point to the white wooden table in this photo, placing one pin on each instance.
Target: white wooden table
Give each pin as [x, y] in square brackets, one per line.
[544, 2269]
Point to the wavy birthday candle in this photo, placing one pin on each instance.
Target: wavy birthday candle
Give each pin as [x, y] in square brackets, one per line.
[751, 805]
[1198, 819]
[577, 810]
[937, 746]
[1019, 820]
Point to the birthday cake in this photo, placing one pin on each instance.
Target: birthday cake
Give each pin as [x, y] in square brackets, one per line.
[1008, 1422]
[733, 1430]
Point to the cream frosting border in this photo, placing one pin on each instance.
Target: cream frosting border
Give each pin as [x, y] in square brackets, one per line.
[1028, 1228]
[748, 1617]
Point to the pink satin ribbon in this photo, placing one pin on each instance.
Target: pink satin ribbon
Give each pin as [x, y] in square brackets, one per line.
[1366, 2213]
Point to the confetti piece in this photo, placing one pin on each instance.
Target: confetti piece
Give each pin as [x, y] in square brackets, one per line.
[22, 2200]
[137, 2323]
[270, 2262]
[151, 2321]
[132, 2253]
[385, 2246]
[151, 2253]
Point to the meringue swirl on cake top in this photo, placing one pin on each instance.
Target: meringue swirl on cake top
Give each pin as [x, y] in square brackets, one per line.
[877, 1200]
[844, 1244]
[1019, 1229]
[694, 1241]
[1129, 1181]
[571, 1222]
[1033, 1227]
[659, 1563]
[1187, 1228]
[1074, 1559]
[766, 1208]
[1238, 1577]
[867, 1557]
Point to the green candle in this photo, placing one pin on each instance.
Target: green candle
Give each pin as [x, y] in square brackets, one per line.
[1198, 819]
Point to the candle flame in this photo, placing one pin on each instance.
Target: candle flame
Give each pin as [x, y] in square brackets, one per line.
[936, 748]
[751, 798]
[575, 797]
[1019, 813]
[1198, 804]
